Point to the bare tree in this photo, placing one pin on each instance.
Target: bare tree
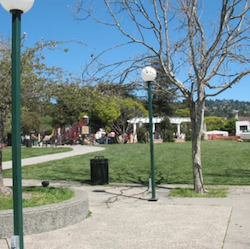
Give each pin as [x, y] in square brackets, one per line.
[202, 53]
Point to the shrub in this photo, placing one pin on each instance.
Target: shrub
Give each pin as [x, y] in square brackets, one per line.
[142, 135]
[167, 130]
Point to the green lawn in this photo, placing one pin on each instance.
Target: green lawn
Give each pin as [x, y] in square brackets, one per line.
[37, 196]
[32, 152]
[224, 163]
[188, 192]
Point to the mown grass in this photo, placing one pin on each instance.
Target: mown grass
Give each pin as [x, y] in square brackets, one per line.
[33, 152]
[188, 192]
[224, 163]
[38, 196]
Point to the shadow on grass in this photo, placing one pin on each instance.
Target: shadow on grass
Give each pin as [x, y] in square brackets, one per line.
[231, 173]
[229, 176]
[238, 172]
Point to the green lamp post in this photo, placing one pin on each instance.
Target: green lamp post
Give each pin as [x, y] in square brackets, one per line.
[148, 75]
[16, 8]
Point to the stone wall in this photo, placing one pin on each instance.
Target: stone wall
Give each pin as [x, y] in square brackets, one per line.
[48, 217]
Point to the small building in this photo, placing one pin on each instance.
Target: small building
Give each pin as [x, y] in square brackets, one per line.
[241, 127]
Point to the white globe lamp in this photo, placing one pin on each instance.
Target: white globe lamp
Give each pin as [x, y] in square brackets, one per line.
[148, 74]
[22, 5]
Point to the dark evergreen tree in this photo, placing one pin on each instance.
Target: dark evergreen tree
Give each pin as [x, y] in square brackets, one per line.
[142, 136]
[167, 130]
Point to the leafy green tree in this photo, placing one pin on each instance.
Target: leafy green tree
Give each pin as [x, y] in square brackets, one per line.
[106, 108]
[118, 98]
[5, 96]
[70, 101]
[182, 113]
[214, 123]
[35, 78]
[129, 108]
[47, 124]
[31, 121]
[230, 125]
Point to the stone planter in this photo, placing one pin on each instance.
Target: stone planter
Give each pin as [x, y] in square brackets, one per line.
[48, 217]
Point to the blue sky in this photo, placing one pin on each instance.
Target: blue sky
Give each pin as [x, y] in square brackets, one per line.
[52, 19]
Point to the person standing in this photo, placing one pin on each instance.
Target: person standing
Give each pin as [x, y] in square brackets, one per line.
[59, 139]
[112, 136]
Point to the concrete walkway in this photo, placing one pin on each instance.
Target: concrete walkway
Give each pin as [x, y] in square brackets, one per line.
[76, 150]
[123, 218]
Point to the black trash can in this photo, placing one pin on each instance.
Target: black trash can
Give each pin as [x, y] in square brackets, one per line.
[28, 143]
[99, 169]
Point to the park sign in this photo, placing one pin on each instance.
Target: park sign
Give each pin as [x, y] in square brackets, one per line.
[85, 130]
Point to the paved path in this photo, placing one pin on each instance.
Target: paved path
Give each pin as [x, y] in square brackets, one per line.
[77, 150]
[123, 218]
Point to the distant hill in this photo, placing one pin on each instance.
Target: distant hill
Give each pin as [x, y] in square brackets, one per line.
[227, 108]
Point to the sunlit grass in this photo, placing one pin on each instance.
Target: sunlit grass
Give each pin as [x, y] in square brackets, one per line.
[223, 162]
[188, 192]
[38, 196]
[33, 152]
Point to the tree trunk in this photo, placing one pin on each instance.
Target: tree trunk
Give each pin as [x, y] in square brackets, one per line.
[197, 114]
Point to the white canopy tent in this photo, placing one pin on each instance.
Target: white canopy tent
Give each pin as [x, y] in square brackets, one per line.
[157, 120]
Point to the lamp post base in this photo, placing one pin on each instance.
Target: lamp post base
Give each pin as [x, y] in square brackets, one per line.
[153, 199]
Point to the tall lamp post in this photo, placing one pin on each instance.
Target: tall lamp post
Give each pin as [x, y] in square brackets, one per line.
[16, 8]
[148, 75]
